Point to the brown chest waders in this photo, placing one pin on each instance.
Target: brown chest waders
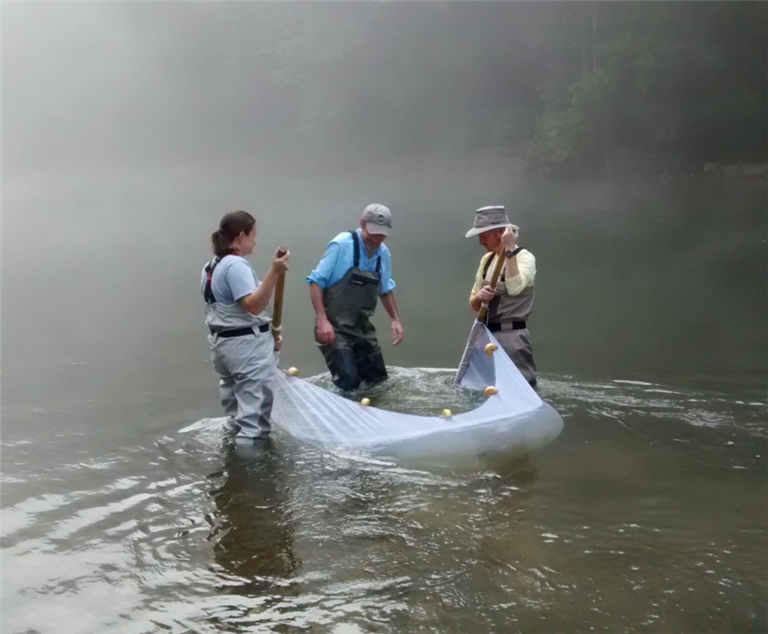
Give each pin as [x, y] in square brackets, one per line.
[506, 319]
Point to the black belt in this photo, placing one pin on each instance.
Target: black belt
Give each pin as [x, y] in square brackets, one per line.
[238, 332]
[516, 325]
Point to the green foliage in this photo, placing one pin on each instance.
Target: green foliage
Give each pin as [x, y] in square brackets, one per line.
[575, 83]
[650, 78]
[560, 135]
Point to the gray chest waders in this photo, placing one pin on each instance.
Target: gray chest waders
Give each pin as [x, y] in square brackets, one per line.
[506, 319]
[354, 355]
[243, 356]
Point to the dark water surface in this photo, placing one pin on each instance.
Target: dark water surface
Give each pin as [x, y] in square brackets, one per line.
[648, 512]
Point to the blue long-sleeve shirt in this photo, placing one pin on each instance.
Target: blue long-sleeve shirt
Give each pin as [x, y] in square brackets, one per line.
[339, 257]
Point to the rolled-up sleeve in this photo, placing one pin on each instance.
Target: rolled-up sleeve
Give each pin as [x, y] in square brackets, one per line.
[386, 283]
[526, 266]
[324, 271]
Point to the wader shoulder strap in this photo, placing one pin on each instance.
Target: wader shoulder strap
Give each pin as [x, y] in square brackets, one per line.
[487, 266]
[208, 294]
[356, 242]
[357, 249]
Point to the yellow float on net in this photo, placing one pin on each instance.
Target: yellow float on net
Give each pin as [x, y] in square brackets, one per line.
[490, 390]
[292, 372]
[490, 347]
[365, 401]
[446, 413]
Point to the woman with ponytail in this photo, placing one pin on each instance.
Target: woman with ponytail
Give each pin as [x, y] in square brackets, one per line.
[242, 347]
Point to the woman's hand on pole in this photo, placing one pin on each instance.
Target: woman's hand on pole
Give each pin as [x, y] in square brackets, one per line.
[280, 263]
[259, 299]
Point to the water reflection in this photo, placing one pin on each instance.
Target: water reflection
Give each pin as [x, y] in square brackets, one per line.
[641, 513]
[649, 508]
[252, 528]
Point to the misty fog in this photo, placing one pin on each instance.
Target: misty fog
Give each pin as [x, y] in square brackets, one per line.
[628, 142]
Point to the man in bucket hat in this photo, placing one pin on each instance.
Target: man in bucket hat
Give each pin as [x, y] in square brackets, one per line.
[352, 275]
[511, 302]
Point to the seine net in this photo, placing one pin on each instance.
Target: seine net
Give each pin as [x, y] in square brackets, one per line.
[515, 416]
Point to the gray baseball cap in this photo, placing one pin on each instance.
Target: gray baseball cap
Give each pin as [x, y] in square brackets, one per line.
[487, 218]
[378, 219]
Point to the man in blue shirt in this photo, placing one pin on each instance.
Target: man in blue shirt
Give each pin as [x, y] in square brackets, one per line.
[352, 274]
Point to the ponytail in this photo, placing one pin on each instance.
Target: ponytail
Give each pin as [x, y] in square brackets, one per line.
[220, 244]
[232, 225]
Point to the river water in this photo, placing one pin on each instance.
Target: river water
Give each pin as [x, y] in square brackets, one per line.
[647, 513]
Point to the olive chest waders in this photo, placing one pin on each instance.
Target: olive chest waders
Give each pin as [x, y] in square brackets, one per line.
[242, 351]
[354, 355]
[506, 319]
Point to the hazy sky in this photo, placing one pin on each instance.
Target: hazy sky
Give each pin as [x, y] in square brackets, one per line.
[144, 83]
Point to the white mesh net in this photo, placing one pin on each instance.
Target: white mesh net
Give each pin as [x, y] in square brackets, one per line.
[514, 417]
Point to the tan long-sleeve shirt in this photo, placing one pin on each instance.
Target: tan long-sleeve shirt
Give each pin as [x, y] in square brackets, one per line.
[526, 265]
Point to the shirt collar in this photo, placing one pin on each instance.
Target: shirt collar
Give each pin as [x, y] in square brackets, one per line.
[376, 251]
